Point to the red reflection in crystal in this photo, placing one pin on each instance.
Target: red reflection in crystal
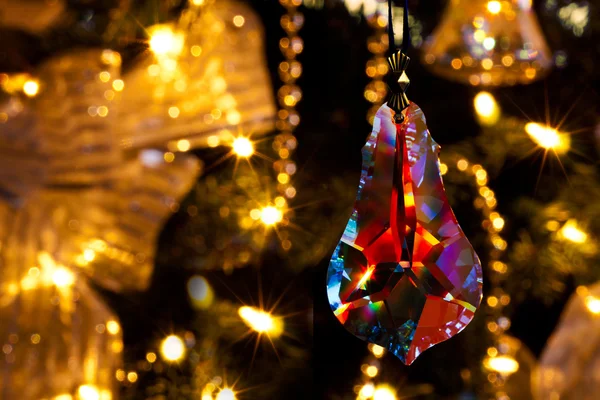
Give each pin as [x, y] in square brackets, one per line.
[403, 276]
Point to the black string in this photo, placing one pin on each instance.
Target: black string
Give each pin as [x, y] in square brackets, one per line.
[405, 29]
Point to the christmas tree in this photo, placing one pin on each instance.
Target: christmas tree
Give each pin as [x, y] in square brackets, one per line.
[175, 177]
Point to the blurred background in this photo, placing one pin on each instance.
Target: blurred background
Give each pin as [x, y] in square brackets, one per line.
[175, 175]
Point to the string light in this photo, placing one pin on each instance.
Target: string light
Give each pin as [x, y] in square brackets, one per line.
[486, 108]
[548, 137]
[62, 277]
[31, 88]
[505, 365]
[243, 147]
[366, 391]
[113, 327]
[593, 304]
[88, 392]
[570, 231]
[261, 321]
[226, 394]
[172, 348]
[384, 392]
[165, 42]
[200, 292]
[271, 215]
[494, 7]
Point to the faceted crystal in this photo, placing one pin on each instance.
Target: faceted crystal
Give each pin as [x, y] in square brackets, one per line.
[403, 275]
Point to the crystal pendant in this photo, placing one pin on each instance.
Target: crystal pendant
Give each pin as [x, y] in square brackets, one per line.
[403, 275]
[483, 42]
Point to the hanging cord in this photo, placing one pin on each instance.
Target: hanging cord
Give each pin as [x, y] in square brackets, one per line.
[405, 29]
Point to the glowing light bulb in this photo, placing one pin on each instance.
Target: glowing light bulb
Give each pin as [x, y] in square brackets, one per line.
[62, 277]
[226, 394]
[31, 88]
[243, 147]
[571, 232]
[88, 392]
[593, 304]
[494, 6]
[367, 391]
[113, 327]
[486, 108]
[271, 215]
[548, 137]
[503, 364]
[172, 348]
[165, 42]
[200, 292]
[384, 393]
[261, 321]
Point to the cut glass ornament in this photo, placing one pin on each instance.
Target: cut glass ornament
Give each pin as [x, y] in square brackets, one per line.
[403, 276]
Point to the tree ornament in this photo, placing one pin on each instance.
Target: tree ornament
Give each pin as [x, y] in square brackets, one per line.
[488, 43]
[403, 275]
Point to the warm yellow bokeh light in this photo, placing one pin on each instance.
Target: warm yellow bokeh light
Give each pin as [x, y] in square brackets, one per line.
[548, 137]
[239, 21]
[63, 397]
[366, 391]
[377, 350]
[172, 348]
[494, 6]
[371, 371]
[31, 88]
[384, 393]
[62, 277]
[243, 147]
[165, 42]
[118, 85]
[226, 394]
[151, 357]
[486, 108]
[113, 327]
[503, 364]
[593, 304]
[88, 392]
[183, 145]
[200, 292]
[261, 321]
[271, 215]
[572, 232]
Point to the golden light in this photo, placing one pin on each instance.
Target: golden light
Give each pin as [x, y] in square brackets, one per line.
[173, 112]
[548, 137]
[183, 145]
[505, 365]
[239, 21]
[572, 232]
[261, 321]
[118, 85]
[371, 371]
[200, 292]
[132, 376]
[151, 357]
[63, 397]
[377, 350]
[384, 392]
[226, 394]
[486, 108]
[593, 304]
[88, 392]
[270, 215]
[494, 6]
[113, 327]
[165, 42]
[243, 147]
[366, 391]
[31, 88]
[62, 277]
[172, 348]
